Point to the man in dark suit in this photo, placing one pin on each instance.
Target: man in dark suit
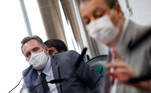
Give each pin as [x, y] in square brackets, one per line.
[45, 68]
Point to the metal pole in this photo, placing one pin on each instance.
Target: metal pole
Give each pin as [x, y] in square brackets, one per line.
[26, 19]
[72, 14]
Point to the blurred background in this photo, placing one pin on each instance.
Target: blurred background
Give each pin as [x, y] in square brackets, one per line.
[50, 19]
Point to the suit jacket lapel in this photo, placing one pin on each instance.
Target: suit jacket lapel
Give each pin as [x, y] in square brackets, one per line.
[32, 80]
[55, 69]
[35, 79]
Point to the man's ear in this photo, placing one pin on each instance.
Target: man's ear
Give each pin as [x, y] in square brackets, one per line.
[46, 49]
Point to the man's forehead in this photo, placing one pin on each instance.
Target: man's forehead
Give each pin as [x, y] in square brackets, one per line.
[30, 44]
[89, 6]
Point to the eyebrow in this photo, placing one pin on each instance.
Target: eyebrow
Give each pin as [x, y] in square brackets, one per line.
[98, 8]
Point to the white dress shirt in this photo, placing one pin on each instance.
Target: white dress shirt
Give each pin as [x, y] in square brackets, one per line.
[49, 76]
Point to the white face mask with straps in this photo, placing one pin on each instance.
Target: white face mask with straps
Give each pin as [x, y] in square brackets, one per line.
[38, 60]
[103, 30]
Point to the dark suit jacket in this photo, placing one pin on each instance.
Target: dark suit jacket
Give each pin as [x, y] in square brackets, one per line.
[84, 80]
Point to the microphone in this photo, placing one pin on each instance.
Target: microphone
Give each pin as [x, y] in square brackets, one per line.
[57, 81]
[80, 59]
[20, 80]
[139, 79]
[15, 86]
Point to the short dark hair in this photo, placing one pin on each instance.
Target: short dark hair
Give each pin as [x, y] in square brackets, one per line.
[58, 44]
[111, 3]
[28, 38]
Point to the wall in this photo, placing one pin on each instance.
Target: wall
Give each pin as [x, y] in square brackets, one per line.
[141, 11]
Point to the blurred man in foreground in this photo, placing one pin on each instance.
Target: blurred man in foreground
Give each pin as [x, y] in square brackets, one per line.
[105, 22]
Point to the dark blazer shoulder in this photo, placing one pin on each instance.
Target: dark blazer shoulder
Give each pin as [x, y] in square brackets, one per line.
[68, 55]
[71, 53]
[27, 70]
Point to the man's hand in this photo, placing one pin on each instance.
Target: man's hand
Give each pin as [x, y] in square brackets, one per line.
[121, 70]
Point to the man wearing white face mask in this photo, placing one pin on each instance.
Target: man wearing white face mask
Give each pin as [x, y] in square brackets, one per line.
[105, 23]
[103, 28]
[38, 60]
[45, 68]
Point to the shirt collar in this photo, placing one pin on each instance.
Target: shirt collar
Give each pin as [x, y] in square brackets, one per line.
[47, 68]
[123, 31]
[125, 26]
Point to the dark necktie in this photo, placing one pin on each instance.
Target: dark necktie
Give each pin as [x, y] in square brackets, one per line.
[44, 83]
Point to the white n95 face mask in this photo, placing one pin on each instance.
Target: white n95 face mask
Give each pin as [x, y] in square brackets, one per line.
[102, 30]
[38, 60]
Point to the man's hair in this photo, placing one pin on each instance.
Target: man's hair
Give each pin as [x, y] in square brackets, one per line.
[111, 3]
[28, 38]
[58, 44]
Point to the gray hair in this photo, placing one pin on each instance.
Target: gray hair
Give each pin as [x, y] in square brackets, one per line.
[28, 38]
[111, 3]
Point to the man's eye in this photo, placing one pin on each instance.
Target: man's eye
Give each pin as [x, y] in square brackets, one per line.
[35, 49]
